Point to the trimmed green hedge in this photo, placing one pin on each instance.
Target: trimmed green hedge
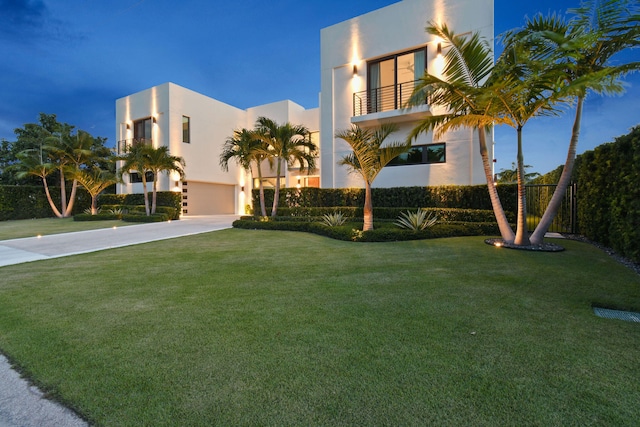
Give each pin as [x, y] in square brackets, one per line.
[157, 217]
[106, 216]
[382, 232]
[444, 214]
[461, 197]
[27, 201]
[609, 194]
[165, 199]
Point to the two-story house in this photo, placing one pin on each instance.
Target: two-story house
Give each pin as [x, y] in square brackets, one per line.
[369, 66]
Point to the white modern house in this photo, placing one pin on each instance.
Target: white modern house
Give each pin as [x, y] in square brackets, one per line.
[369, 65]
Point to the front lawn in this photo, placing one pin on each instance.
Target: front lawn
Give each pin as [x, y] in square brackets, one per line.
[254, 327]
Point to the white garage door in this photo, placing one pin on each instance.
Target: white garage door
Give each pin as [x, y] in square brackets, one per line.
[202, 198]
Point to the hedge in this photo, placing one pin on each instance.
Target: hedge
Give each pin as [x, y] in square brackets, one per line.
[460, 197]
[27, 201]
[608, 180]
[169, 199]
[382, 232]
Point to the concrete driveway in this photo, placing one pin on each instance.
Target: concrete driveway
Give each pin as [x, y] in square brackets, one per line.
[23, 405]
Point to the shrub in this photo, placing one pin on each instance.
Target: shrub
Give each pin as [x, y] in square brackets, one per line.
[103, 216]
[416, 221]
[334, 219]
[157, 217]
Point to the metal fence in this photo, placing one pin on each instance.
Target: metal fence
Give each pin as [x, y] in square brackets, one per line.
[538, 198]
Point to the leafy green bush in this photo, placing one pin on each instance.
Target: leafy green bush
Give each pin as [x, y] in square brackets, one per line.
[333, 219]
[164, 198]
[416, 220]
[24, 201]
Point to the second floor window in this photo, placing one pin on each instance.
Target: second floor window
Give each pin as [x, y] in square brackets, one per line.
[391, 80]
[142, 131]
[186, 129]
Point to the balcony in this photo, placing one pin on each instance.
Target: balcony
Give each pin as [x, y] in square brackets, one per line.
[123, 145]
[387, 104]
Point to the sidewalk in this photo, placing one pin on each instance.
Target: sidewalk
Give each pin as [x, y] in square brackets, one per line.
[23, 405]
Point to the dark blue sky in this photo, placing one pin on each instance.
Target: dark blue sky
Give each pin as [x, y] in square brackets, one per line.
[75, 58]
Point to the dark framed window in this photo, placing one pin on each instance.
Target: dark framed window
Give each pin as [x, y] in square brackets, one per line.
[142, 131]
[421, 155]
[186, 129]
[391, 80]
[135, 177]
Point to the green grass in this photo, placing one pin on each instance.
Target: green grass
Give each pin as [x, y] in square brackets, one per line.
[244, 327]
[46, 226]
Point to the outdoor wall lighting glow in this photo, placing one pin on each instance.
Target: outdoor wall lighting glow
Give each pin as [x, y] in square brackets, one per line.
[439, 49]
[154, 120]
[355, 69]
[242, 188]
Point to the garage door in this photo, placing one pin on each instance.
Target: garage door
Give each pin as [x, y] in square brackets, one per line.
[202, 198]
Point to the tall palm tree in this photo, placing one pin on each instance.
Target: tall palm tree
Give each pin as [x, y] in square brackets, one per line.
[288, 144]
[32, 163]
[468, 64]
[160, 160]
[369, 156]
[134, 160]
[246, 147]
[599, 30]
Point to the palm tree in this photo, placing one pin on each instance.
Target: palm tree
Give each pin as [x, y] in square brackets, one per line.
[159, 160]
[31, 163]
[135, 160]
[369, 157]
[246, 147]
[286, 143]
[95, 181]
[599, 30]
[510, 176]
[468, 64]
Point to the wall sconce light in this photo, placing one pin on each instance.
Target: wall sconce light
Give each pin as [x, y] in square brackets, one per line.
[154, 120]
[439, 49]
[128, 126]
[242, 188]
[355, 69]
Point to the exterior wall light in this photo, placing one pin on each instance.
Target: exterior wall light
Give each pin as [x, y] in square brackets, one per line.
[439, 49]
[355, 69]
[242, 188]
[154, 120]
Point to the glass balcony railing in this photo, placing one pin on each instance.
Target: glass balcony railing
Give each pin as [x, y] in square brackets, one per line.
[384, 98]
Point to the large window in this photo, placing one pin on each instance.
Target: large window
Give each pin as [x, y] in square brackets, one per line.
[422, 154]
[391, 80]
[186, 129]
[142, 131]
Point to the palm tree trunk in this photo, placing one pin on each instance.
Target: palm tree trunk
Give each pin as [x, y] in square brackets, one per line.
[54, 208]
[146, 194]
[368, 208]
[72, 198]
[63, 195]
[276, 194]
[565, 178]
[522, 234]
[94, 204]
[263, 208]
[154, 194]
[503, 224]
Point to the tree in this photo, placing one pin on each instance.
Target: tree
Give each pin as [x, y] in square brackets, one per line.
[134, 160]
[510, 176]
[286, 143]
[95, 181]
[368, 158]
[246, 147]
[468, 64]
[584, 49]
[160, 160]
[50, 149]
[142, 158]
